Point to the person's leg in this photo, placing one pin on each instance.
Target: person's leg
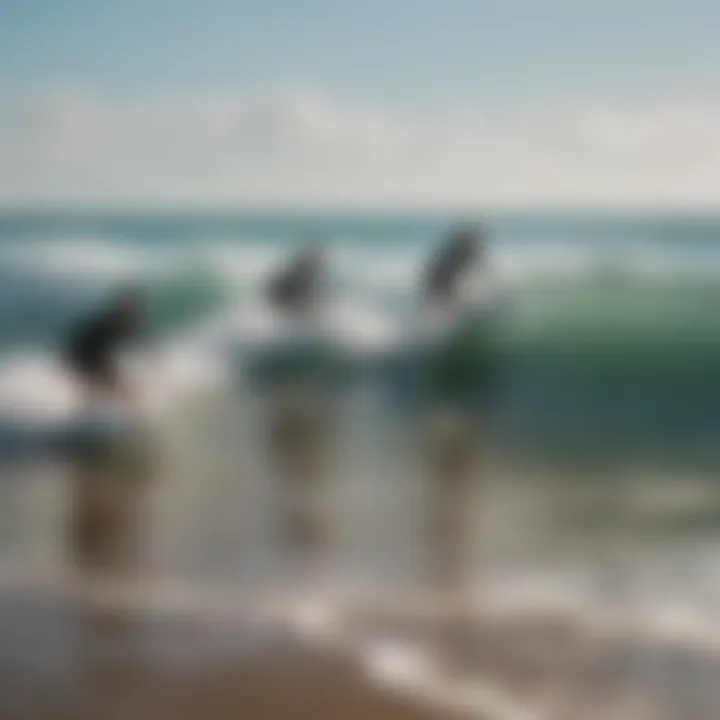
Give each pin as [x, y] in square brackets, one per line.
[98, 486]
[298, 449]
[451, 456]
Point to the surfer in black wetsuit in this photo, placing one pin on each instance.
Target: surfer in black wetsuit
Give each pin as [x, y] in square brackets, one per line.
[295, 288]
[463, 248]
[91, 350]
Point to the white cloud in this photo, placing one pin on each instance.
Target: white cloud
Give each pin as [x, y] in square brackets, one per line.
[298, 148]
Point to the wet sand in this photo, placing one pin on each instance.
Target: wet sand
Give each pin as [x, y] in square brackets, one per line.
[164, 653]
[59, 660]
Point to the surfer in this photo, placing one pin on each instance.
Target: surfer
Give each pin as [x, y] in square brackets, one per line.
[295, 288]
[452, 372]
[297, 423]
[91, 350]
[108, 479]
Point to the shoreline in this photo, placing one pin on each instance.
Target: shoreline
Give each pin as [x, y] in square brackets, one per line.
[60, 658]
[290, 658]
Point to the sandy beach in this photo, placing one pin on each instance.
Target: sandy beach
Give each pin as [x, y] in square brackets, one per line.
[60, 663]
[75, 651]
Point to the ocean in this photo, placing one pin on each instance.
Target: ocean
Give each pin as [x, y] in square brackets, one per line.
[595, 493]
[608, 342]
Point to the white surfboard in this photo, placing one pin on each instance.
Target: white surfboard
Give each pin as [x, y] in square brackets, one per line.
[104, 423]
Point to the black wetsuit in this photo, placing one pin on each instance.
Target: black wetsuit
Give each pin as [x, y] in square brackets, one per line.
[91, 349]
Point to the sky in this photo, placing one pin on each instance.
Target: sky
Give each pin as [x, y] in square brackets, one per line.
[392, 102]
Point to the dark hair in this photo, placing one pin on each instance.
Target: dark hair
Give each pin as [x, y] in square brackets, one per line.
[132, 292]
[467, 234]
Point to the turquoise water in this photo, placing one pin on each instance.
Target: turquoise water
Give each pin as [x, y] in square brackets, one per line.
[608, 335]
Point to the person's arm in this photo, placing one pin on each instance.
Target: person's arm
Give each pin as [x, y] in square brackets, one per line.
[144, 368]
[493, 301]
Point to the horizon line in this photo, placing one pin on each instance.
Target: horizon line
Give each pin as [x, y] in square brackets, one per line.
[354, 208]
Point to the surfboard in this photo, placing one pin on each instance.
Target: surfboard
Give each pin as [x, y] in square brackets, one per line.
[104, 431]
[104, 424]
[283, 351]
[306, 361]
